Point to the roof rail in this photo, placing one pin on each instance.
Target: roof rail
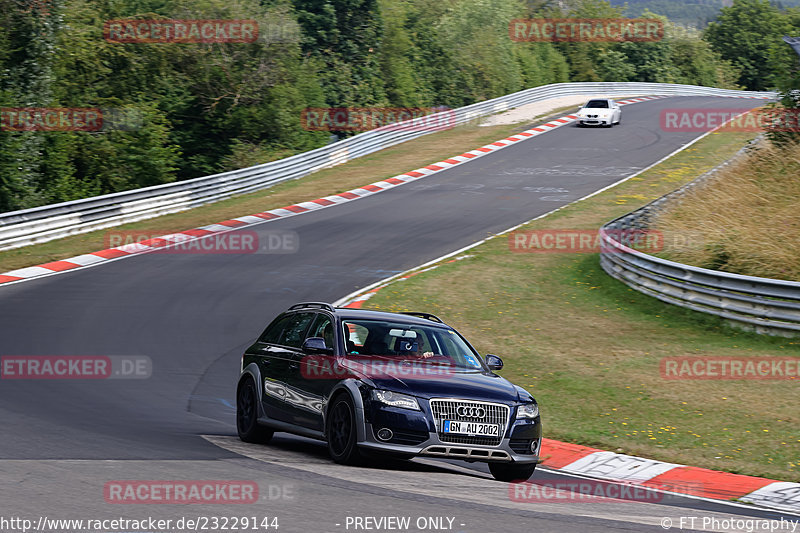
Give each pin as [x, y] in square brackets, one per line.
[317, 305]
[424, 315]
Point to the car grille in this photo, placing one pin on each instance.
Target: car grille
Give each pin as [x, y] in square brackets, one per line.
[496, 413]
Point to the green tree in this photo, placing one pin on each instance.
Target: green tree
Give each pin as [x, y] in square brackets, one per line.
[786, 61]
[396, 55]
[345, 35]
[697, 62]
[743, 34]
[613, 65]
[28, 37]
[583, 56]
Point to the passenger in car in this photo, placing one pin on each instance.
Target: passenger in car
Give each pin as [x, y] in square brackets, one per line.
[375, 343]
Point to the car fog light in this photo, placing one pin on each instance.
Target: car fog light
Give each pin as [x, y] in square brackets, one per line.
[385, 434]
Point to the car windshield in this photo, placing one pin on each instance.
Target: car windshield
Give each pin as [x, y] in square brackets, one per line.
[412, 342]
[597, 104]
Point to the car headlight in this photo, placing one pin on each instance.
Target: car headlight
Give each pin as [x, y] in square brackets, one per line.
[528, 410]
[396, 399]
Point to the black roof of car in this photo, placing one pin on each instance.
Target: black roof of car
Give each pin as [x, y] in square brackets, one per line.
[371, 314]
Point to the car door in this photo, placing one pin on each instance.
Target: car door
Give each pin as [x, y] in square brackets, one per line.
[262, 353]
[279, 347]
[312, 387]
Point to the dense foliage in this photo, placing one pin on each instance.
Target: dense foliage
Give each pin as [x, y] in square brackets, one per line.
[697, 13]
[206, 108]
[749, 35]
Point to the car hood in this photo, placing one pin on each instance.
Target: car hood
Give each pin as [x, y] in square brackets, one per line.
[456, 383]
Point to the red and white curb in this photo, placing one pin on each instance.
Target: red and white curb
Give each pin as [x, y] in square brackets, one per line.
[130, 250]
[698, 482]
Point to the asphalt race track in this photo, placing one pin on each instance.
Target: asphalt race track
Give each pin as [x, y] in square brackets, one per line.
[193, 314]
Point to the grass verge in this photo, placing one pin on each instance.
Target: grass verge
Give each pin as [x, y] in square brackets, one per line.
[362, 171]
[744, 220]
[589, 348]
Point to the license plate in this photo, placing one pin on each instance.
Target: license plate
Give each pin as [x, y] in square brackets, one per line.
[472, 428]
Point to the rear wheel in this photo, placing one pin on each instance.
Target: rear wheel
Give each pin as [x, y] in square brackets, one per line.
[247, 415]
[340, 429]
[511, 471]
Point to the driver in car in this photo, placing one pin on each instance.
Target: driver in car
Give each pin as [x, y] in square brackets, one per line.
[414, 347]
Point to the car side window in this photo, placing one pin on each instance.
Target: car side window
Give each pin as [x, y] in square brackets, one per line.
[272, 334]
[293, 333]
[354, 337]
[323, 327]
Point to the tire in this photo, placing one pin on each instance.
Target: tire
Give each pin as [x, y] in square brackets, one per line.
[340, 430]
[509, 472]
[247, 414]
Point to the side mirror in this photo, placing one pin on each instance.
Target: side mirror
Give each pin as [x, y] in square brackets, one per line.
[494, 362]
[316, 345]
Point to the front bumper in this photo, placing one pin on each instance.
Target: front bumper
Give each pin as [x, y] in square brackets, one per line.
[594, 121]
[414, 433]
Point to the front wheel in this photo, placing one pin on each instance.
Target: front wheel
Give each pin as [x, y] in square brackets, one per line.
[247, 415]
[340, 429]
[511, 471]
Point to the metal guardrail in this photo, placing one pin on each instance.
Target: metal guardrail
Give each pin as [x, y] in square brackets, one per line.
[764, 305]
[41, 224]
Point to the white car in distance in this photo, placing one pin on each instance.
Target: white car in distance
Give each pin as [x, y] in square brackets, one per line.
[599, 112]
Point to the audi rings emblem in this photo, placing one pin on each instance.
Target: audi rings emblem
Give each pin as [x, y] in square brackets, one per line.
[471, 412]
